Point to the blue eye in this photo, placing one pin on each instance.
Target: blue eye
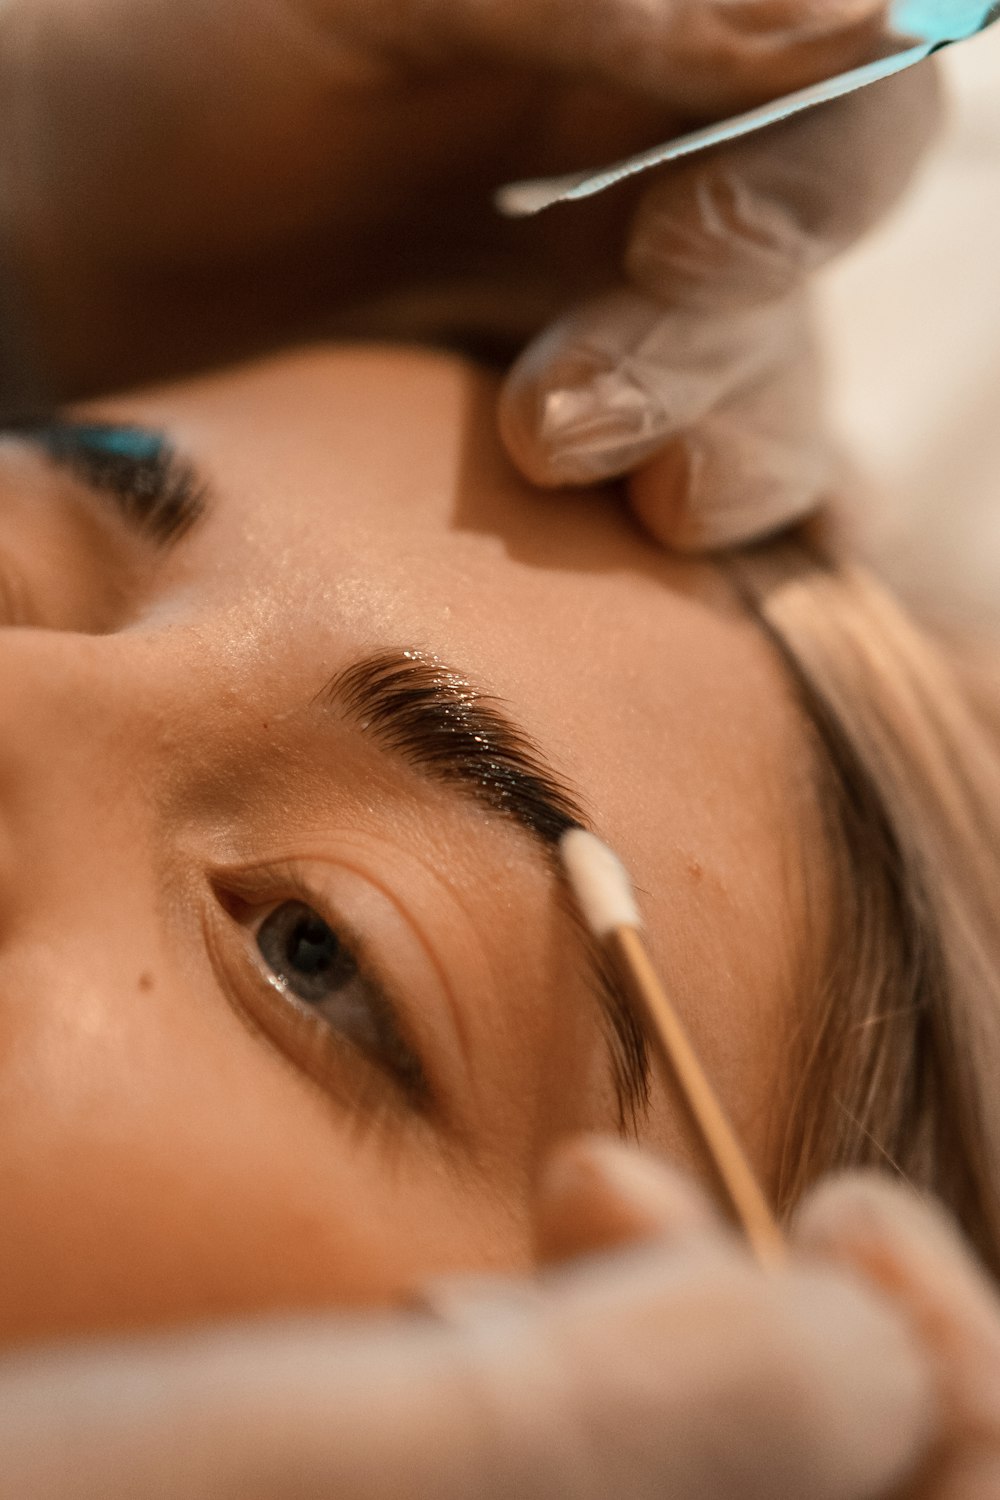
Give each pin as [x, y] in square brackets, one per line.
[304, 953]
[329, 987]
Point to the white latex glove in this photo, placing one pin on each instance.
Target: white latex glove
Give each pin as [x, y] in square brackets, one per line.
[867, 1224]
[700, 377]
[674, 1369]
[913, 1251]
[181, 182]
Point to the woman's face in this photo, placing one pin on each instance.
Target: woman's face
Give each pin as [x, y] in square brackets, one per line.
[292, 1004]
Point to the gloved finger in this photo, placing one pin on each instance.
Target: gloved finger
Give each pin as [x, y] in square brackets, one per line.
[653, 1375]
[800, 1382]
[597, 1193]
[756, 463]
[699, 55]
[684, 1370]
[910, 1249]
[751, 221]
[608, 386]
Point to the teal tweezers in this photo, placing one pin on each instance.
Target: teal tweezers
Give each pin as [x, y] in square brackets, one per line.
[923, 26]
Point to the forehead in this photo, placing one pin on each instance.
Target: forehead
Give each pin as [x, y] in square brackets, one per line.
[363, 502]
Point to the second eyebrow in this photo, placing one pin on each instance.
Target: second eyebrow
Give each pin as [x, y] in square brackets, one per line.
[155, 489]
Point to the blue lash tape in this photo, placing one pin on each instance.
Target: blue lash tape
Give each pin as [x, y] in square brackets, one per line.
[119, 442]
[923, 26]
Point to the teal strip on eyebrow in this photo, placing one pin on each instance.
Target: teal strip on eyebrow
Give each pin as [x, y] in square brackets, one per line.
[125, 442]
[153, 487]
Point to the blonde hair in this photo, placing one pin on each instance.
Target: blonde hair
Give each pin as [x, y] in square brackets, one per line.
[900, 1049]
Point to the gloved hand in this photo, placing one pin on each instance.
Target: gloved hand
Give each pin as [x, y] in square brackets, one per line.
[699, 376]
[674, 1368]
[181, 182]
[913, 1252]
[878, 1231]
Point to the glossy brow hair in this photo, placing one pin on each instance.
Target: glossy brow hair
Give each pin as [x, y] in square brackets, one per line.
[415, 707]
[421, 710]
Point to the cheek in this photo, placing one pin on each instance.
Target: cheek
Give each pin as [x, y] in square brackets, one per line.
[172, 1168]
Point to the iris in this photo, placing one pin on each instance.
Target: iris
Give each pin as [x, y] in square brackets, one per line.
[304, 952]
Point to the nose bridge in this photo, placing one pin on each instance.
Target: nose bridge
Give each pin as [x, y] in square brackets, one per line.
[75, 721]
[77, 844]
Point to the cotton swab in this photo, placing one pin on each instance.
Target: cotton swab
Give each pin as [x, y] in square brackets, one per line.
[603, 893]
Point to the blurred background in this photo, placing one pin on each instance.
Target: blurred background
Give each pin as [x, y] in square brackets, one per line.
[912, 328]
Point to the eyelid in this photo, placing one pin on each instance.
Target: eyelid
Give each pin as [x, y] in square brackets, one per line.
[249, 893]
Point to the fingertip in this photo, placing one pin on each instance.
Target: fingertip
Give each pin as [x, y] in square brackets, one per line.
[563, 432]
[587, 400]
[864, 1212]
[907, 1245]
[596, 1193]
[518, 426]
[708, 491]
[558, 437]
[548, 416]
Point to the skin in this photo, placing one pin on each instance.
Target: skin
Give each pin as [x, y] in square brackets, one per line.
[163, 1157]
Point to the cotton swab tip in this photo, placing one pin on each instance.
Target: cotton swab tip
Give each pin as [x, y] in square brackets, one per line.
[521, 200]
[599, 882]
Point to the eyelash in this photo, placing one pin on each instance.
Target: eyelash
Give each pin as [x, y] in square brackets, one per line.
[333, 1059]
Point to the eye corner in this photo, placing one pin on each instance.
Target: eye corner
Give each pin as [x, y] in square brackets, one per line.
[232, 902]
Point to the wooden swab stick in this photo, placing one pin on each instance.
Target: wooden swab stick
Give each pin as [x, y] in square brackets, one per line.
[604, 894]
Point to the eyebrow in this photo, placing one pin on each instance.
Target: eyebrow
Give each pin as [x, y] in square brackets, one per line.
[413, 706]
[155, 490]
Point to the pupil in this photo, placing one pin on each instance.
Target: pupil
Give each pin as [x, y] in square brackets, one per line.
[305, 953]
[312, 946]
